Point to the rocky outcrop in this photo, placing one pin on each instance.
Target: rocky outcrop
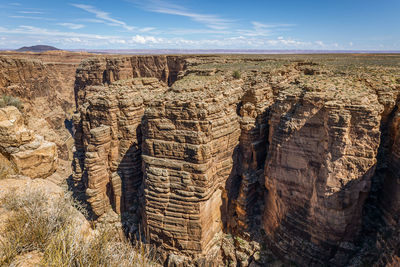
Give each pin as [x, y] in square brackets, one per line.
[285, 155]
[190, 136]
[111, 98]
[43, 83]
[390, 197]
[322, 154]
[246, 187]
[108, 142]
[22, 151]
[98, 71]
[388, 234]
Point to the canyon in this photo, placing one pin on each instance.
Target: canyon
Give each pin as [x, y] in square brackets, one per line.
[228, 160]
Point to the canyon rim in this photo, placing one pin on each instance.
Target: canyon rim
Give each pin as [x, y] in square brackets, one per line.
[199, 134]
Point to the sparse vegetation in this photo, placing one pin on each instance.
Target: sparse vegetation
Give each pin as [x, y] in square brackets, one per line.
[7, 100]
[236, 74]
[5, 171]
[6, 168]
[48, 226]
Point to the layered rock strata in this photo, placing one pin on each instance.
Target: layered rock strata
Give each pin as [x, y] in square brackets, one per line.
[190, 138]
[321, 157]
[289, 152]
[108, 142]
[246, 187]
[98, 71]
[22, 151]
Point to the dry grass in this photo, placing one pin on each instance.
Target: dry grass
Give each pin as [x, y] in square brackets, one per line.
[6, 167]
[7, 100]
[50, 227]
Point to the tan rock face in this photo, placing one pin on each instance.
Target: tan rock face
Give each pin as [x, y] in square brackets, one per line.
[36, 159]
[390, 198]
[12, 129]
[321, 156]
[244, 187]
[27, 154]
[190, 138]
[98, 71]
[108, 142]
[44, 84]
[289, 152]
[108, 133]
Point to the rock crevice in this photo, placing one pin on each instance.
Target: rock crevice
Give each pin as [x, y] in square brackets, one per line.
[284, 156]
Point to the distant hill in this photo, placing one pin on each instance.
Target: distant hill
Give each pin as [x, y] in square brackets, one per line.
[37, 48]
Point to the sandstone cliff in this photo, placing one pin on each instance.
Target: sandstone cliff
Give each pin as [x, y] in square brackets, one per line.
[43, 82]
[284, 155]
[23, 152]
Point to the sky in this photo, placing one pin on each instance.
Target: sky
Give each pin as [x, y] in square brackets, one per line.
[205, 24]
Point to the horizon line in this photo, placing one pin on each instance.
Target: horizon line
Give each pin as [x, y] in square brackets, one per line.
[220, 50]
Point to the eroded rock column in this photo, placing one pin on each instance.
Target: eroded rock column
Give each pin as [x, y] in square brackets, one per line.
[190, 140]
[321, 157]
[109, 133]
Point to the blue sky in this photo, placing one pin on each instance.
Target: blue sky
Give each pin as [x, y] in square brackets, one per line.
[216, 24]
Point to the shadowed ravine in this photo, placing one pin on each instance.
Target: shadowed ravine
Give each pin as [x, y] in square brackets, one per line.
[282, 156]
[213, 160]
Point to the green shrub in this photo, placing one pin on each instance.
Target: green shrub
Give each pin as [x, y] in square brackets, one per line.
[7, 100]
[236, 74]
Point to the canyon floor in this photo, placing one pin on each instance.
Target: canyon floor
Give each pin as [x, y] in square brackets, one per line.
[201, 160]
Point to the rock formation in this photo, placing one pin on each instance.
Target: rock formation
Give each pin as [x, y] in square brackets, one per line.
[284, 155]
[43, 83]
[190, 135]
[23, 152]
[322, 154]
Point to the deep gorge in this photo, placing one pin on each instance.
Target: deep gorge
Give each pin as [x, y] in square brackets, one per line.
[284, 156]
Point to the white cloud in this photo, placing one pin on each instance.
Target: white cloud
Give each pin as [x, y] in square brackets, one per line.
[74, 40]
[92, 20]
[29, 17]
[176, 31]
[35, 31]
[320, 43]
[259, 25]
[147, 29]
[139, 39]
[105, 16]
[30, 12]
[210, 21]
[262, 29]
[26, 34]
[72, 26]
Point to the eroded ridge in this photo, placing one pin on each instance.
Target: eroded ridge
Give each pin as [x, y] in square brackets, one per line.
[283, 154]
[190, 136]
[321, 157]
[108, 141]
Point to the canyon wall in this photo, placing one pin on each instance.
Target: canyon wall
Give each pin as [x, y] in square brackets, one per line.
[21, 151]
[284, 155]
[190, 135]
[321, 157]
[43, 82]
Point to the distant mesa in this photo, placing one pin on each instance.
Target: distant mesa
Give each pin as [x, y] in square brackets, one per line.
[37, 48]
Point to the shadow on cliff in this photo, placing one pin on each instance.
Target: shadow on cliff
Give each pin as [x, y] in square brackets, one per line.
[374, 227]
[127, 198]
[242, 204]
[290, 235]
